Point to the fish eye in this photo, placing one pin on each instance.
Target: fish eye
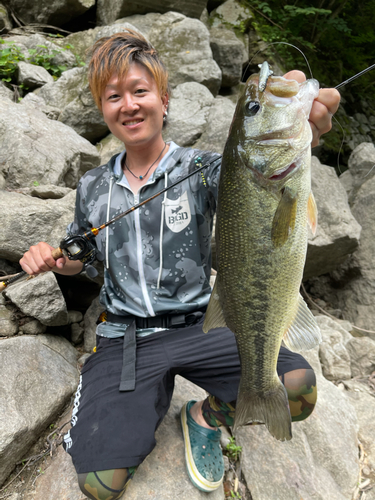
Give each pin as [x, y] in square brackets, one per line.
[252, 108]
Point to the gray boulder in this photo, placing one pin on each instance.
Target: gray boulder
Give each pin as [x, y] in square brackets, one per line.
[33, 327]
[32, 76]
[57, 12]
[325, 443]
[362, 356]
[5, 22]
[184, 46]
[34, 392]
[338, 231]
[91, 316]
[30, 220]
[108, 147]
[8, 324]
[361, 167]
[5, 93]
[52, 151]
[334, 357]
[188, 113]
[219, 120]
[227, 51]
[351, 288]
[362, 398]
[110, 10]
[40, 298]
[33, 101]
[71, 94]
[46, 191]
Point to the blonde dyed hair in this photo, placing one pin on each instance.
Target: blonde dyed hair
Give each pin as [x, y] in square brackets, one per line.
[114, 54]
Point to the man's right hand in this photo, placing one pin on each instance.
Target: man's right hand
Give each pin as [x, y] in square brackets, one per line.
[38, 259]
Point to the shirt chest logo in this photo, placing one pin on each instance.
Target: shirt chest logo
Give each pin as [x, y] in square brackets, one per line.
[177, 213]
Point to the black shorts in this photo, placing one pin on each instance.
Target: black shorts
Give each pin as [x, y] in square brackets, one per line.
[113, 429]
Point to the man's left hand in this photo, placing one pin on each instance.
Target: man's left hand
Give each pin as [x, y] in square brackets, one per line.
[324, 106]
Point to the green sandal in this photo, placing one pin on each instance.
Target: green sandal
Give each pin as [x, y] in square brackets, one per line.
[204, 458]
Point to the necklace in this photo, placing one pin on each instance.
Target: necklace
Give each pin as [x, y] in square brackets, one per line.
[141, 177]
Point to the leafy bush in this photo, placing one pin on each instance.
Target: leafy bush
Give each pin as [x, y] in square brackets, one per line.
[11, 55]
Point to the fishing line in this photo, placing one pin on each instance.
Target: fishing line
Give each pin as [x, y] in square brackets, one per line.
[276, 43]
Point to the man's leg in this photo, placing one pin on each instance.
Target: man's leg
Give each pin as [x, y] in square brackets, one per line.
[105, 484]
[302, 394]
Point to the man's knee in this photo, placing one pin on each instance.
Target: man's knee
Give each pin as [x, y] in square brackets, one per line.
[302, 392]
[106, 484]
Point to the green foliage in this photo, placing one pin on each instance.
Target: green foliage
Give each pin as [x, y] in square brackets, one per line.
[42, 56]
[235, 494]
[11, 55]
[233, 451]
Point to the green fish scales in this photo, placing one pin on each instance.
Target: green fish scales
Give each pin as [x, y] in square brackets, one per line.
[264, 205]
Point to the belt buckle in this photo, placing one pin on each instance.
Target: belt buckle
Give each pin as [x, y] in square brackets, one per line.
[177, 320]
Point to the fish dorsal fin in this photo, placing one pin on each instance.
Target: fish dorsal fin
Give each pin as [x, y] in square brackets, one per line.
[312, 213]
[303, 332]
[214, 314]
[284, 219]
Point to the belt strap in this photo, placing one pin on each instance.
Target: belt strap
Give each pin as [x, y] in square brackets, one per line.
[131, 323]
[127, 382]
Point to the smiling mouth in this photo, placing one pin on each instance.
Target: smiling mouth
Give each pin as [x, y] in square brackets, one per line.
[133, 122]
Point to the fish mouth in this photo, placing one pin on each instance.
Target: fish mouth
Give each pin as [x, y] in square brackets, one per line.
[283, 172]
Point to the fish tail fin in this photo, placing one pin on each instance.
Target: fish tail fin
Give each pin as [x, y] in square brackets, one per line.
[272, 409]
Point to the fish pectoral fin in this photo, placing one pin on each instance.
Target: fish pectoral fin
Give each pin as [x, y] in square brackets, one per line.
[284, 219]
[312, 213]
[304, 332]
[214, 315]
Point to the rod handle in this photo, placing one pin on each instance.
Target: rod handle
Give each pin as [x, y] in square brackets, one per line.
[57, 253]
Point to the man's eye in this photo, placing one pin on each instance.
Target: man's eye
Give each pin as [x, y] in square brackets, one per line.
[112, 96]
[140, 91]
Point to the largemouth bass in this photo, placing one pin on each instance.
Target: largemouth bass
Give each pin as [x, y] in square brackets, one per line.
[264, 206]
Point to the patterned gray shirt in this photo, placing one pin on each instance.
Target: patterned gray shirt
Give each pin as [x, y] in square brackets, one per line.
[158, 258]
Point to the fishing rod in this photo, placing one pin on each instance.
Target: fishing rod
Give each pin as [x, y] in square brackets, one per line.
[80, 247]
[354, 77]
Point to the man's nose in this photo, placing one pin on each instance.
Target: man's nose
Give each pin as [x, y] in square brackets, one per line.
[129, 104]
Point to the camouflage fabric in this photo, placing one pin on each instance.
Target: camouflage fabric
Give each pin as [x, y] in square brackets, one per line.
[142, 277]
[302, 395]
[106, 484]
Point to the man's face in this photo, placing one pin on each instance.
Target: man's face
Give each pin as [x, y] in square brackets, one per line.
[133, 108]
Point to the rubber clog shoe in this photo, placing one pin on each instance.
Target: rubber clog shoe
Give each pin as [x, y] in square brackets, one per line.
[204, 458]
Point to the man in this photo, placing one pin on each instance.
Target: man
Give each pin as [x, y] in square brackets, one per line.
[156, 285]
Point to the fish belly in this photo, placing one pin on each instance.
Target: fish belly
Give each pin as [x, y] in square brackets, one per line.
[258, 286]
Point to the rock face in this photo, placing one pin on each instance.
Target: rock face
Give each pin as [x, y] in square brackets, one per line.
[71, 94]
[183, 44]
[32, 76]
[351, 288]
[33, 393]
[57, 12]
[40, 298]
[30, 220]
[52, 151]
[325, 443]
[110, 10]
[338, 231]
[227, 51]
[188, 112]
[219, 118]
